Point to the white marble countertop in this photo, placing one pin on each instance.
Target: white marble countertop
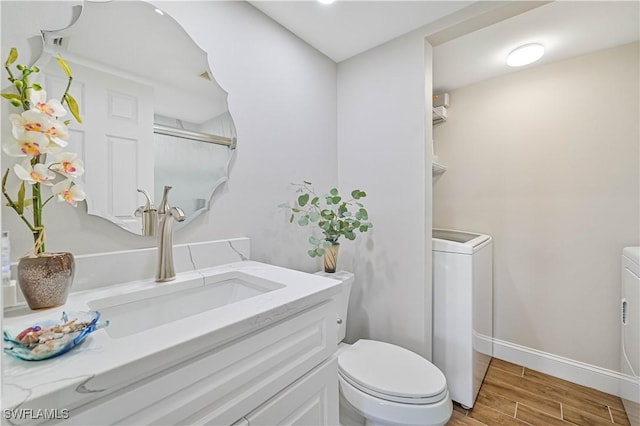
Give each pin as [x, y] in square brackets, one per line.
[102, 363]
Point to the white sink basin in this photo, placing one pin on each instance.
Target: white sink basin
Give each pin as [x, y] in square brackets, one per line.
[137, 311]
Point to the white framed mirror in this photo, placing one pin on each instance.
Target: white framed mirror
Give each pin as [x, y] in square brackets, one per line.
[153, 114]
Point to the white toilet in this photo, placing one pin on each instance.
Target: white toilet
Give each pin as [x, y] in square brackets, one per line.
[384, 384]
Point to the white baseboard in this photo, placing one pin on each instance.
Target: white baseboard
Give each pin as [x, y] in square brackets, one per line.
[599, 378]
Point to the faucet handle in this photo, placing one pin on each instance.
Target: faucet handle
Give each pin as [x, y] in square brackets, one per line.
[164, 204]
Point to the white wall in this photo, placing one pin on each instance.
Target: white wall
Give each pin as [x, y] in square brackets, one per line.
[382, 150]
[547, 161]
[282, 99]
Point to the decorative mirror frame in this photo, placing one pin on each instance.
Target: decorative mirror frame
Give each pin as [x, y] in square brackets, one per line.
[121, 107]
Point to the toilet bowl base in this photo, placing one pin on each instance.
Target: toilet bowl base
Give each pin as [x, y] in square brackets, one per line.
[351, 416]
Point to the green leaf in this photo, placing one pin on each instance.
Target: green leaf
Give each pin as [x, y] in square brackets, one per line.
[295, 210]
[333, 191]
[20, 203]
[326, 243]
[291, 218]
[350, 236]
[320, 251]
[355, 194]
[303, 220]
[313, 240]
[362, 194]
[307, 182]
[36, 87]
[303, 199]
[65, 67]
[363, 228]
[312, 252]
[13, 55]
[73, 107]
[361, 214]
[327, 214]
[314, 216]
[336, 199]
[314, 201]
[11, 96]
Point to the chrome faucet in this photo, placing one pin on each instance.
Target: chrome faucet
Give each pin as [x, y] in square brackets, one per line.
[165, 270]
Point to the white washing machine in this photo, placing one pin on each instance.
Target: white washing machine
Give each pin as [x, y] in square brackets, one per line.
[462, 310]
[630, 316]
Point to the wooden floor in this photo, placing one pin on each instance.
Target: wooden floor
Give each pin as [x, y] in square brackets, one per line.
[514, 395]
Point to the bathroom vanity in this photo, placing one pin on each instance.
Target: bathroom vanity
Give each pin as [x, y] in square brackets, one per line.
[238, 343]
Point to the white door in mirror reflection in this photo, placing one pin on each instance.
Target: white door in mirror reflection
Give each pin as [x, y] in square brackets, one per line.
[115, 140]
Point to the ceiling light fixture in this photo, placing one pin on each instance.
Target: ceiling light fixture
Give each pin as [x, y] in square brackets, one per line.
[525, 55]
[326, 1]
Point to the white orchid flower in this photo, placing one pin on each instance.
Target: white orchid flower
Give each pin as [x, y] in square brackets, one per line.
[68, 164]
[39, 173]
[69, 193]
[32, 145]
[35, 121]
[52, 107]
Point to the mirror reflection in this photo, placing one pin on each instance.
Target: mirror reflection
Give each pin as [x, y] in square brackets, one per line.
[153, 113]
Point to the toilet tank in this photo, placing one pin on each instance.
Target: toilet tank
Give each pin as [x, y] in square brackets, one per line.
[342, 299]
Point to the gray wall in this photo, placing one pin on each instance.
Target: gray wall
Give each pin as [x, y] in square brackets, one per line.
[546, 161]
[282, 98]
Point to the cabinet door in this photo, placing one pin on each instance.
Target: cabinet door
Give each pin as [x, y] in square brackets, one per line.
[311, 400]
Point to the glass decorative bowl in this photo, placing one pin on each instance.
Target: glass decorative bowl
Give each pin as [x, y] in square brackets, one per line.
[48, 339]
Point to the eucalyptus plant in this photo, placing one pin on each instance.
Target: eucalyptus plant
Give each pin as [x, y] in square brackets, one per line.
[335, 215]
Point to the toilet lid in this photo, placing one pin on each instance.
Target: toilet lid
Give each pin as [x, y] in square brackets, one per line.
[390, 370]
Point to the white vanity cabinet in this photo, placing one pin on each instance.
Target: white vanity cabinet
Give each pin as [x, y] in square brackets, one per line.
[282, 373]
[311, 400]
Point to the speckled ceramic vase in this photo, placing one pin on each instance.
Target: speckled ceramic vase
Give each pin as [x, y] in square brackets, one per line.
[331, 258]
[45, 280]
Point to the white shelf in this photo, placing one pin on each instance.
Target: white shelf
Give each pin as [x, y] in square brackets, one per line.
[437, 169]
[439, 115]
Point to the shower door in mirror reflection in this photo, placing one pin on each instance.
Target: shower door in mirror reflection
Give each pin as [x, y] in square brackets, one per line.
[153, 113]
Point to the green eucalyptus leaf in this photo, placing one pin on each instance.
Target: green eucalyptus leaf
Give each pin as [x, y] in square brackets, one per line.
[313, 240]
[295, 210]
[314, 201]
[303, 199]
[336, 199]
[303, 220]
[363, 228]
[307, 182]
[326, 243]
[291, 218]
[312, 252]
[333, 191]
[314, 216]
[320, 251]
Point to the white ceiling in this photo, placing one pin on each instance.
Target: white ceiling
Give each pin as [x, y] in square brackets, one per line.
[348, 27]
[566, 28]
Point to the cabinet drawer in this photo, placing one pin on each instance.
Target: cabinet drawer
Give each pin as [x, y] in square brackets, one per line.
[222, 386]
[311, 400]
